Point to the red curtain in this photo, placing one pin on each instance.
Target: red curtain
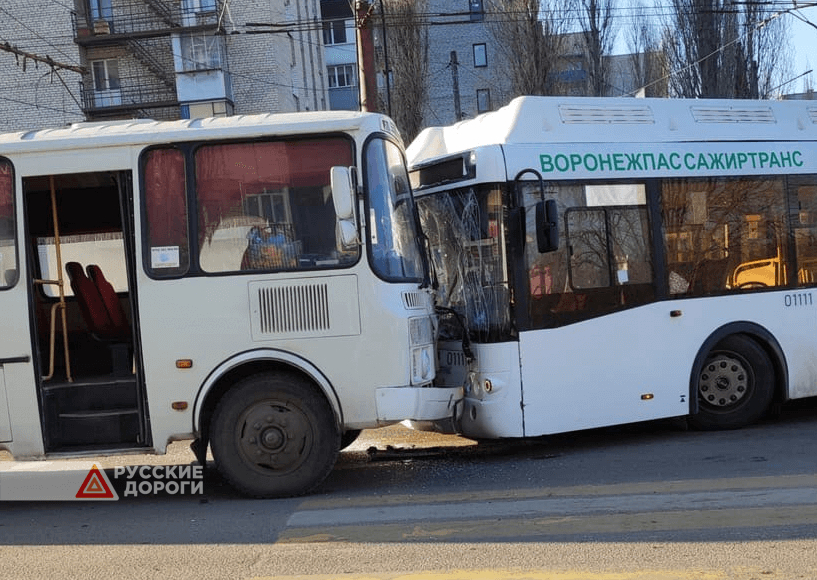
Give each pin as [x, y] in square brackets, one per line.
[228, 172]
[165, 198]
[6, 190]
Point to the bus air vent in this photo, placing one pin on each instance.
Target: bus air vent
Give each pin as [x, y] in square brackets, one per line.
[733, 114]
[640, 115]
[304, 308]
[413, 300]
[812, 112]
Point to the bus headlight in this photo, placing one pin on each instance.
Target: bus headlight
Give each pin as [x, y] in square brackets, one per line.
[422, 364]
[421, 331]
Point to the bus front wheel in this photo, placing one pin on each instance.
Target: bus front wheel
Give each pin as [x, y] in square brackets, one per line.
[274, 435]
[735, 385]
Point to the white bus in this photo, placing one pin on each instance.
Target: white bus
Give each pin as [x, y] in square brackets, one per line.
[606, 261]
[226, 280]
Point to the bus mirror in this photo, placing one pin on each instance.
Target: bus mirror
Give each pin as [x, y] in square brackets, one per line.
[342, 182]
[547, 226]
[343, 192]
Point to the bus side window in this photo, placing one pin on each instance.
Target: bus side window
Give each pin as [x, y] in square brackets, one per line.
[604, 259]
[804, 222]
[267, 206]
[724, 235]
[167, 248]
[8, 250]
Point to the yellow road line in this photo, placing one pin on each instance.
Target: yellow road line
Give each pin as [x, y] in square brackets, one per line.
[515, 575]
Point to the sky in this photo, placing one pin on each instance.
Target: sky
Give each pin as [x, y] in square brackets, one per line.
[804, 43]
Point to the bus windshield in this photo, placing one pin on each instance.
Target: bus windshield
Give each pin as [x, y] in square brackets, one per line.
[464, 229]
[395, 251]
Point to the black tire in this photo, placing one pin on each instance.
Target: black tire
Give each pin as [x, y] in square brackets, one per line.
[349, 437]
[735, 385]
[274, 435]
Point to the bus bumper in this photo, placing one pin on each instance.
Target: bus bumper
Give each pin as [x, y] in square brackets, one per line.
[418, 403]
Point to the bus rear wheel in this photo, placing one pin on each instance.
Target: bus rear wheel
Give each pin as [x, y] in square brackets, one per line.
[274, 435]
[735, 385]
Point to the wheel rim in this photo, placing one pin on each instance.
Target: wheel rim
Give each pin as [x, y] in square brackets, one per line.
[273, 436]
[725, 381]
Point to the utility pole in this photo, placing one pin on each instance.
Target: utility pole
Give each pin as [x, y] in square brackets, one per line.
[386, 59]
[365, 56]
[455, 80]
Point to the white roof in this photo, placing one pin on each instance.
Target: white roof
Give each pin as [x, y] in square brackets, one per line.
[621, 120]
[145, 131]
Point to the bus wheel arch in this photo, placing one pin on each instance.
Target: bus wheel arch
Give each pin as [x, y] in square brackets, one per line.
[740, 370]
[233, 372]
[274, 435]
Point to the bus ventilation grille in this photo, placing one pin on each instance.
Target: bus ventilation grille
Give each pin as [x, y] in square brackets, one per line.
[293, 309]
[733, 114]
[413, 300]
[606, 115]
[812, 112]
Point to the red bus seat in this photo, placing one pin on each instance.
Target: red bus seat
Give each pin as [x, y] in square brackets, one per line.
[113, 306]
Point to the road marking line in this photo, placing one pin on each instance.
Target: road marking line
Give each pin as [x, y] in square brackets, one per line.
[513, 575]
[499, 530]
[555, 506]
[679, 486]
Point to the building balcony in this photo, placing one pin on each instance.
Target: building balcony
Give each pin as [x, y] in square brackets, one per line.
[135, 19]
[129, 97]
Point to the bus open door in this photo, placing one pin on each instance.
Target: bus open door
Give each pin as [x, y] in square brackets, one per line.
[79, 246]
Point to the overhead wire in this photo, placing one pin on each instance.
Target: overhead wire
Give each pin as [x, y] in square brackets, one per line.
[439, 18]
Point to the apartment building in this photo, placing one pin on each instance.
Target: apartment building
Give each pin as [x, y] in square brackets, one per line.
[162, 59]
[341, 54]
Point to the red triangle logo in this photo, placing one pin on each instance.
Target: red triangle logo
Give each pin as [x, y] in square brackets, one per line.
[95, 486]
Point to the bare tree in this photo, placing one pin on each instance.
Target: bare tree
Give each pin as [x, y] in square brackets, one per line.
[648, 63]
[725, 48]
[599, 35]
[532, 37]
[406, 39]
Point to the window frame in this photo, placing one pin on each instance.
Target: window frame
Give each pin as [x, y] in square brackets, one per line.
[482, 62]
[486, 94]
[9, 284]
[189, 148]
[332, 31]
[200, 51]
[348, 71]
[476, 10]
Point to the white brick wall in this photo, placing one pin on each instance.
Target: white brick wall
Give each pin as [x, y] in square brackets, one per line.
[460, 38]
[269, 72]
[34, 98]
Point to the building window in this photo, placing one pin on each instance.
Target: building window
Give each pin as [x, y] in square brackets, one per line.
[202, 110]
[341, 76]
[106, 83]
[200, 52]
[334, 32]
[475, 7]
[483, 100]
[196, 6]
[101, 10]
[480, 55]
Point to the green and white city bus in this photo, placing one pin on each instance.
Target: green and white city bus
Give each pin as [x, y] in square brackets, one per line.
[605, 261]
